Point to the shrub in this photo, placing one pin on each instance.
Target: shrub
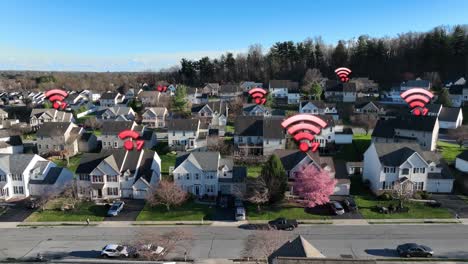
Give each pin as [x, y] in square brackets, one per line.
[425, 195]
[417, 195]
[385, 196]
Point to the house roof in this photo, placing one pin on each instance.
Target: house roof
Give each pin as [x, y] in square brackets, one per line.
[457, 89]
[60, 116]
[444, 174]
[89, 161]
[239, 174]
[318, 104]
[53, 129]
[463, 155]
[229, 88]
[109, 95]
[11, 141]
[299, 247]
[216, 106]
[159, 111]
[207, 161]
[433, 108]
[395, 154]
[212, 86]
[386, 128]
[51, 176]
[449, 114]
[183, 124]
[290, 85]
[111, 127]
[416, 83]
[16, 163]
[290, 157]
[268, 127]
[145, 171]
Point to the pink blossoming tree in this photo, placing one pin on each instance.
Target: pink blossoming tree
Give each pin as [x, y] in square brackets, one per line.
[313, 186]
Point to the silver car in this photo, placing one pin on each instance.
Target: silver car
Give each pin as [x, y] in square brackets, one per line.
[114, 250]
[115, 208]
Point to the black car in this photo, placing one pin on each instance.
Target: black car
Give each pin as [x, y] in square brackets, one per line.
[414, 250]
[283, 224]
[350, 205]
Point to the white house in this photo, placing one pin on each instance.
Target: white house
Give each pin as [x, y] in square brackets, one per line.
[386, 164]
[155, 117]
[117, 173]
[214, 114]
[318, 108]
[247, 85]
[183, 133]
[461, 162]
[59, 136]
[206, 173]
[109, 99]
[458, 94]
[286, 90]
[40, 116]
[418, 83]
[117, 113]
[111, 129]
[23, 175]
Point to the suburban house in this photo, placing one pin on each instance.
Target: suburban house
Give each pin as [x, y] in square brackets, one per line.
[214, 114]
[24, 175]
[261, 110]
[117, 113]
[197, 96]
[449, 117]
[10, 144]
[246, 86]
[155, 117]
[211, 89]
[111, 129]
[421, 129]
[149, 98]
[461, 162]
[258, 135]
[387, 164]
[285, 91]
[370, 107]
[318, 108]
[40, 116]
[117, 173]
[295, 160]
[109, 99]
[56, 137]
[183, 133]
[228, 92]
[208, 174]
[340, 92]
[424, 84]
[458, 94]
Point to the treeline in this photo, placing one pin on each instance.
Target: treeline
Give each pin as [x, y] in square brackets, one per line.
[441, 54]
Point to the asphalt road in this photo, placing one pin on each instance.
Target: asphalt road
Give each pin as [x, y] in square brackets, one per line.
[374, 241]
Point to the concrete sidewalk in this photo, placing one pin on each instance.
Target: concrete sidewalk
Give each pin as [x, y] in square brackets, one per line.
[343, 222]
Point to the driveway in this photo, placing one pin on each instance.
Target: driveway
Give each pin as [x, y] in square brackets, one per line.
[16, 212]
[453, 203]
[130, 212]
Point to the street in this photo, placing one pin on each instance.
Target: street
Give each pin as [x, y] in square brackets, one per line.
[371, 241]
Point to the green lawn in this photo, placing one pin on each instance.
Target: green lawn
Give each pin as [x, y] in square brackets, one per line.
[97, 132]
[253, 171]
[84, 211]
[273, 212]
[74, 162]
[229, 129]
[449, 151]
[354, 151]
[167, 160]
[29, 136]
[190, 211]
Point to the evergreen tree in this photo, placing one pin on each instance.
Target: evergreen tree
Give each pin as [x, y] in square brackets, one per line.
[444, 98]
[179, 100]
[274, 175]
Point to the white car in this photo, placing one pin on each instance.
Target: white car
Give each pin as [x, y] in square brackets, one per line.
[114, 250]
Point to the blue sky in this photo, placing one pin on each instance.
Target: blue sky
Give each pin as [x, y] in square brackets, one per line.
[137, 35]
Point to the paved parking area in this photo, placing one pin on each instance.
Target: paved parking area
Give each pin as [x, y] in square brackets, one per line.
[130, 212]
[453, 203]
[16, 212]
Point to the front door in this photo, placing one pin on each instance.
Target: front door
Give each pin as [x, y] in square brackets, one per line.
[99, 193]
[197, 190]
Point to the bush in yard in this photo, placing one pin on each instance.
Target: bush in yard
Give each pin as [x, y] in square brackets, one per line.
[425, 195]
[168, 194]
[314, 186]
[385, 196]
[417, 196]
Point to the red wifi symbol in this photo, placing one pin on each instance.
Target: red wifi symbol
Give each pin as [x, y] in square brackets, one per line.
[417, 98]
[132, 136]
[303, 128]
[162, 88]
[56, 97]
[343, 73]
[259, 95]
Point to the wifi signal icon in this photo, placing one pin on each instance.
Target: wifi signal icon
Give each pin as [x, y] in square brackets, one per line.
[417, 98]
[56, 97]
[259, 95]
[132, 137]
[303, 128]
[343, 73]
[161, 88]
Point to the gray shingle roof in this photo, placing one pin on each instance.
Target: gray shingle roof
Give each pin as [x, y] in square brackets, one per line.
[16, 163]
[51, 176]
[115, 127]
[109, 95]
[386, 128]
[449, 114]
[53, 129]
[183, 124]
[395, 154]
[207, 161]
[144, 171]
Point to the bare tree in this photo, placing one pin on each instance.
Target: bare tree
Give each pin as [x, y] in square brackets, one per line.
[262, 244]
[222, 146]
[235, 107]
[168, 194]
[402, 191]
[364, 121]
[311, 83]
[92, 123]
[257, 192]
[70, 195]
[460, 135]
[44, 196]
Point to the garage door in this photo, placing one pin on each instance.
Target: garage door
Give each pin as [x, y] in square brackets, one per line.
[442, 186]
[139, 194]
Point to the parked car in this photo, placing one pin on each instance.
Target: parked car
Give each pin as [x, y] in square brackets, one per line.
[240, 214]
[116, 208]
[414, 250]
[350, 205]
[283, 224]
[336, 208]
[114, 250]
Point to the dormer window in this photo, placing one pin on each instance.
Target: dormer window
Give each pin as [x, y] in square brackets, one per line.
[405, 171]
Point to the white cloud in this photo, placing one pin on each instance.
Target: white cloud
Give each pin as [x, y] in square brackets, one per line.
[15, 59]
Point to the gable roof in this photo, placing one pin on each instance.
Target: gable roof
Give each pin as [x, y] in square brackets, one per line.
[60, 116]
[229, 88]
[15, 163]
[395, 154]
[11, 141]
[216, 106]
[416, 83]
[183, 124]
[449, 114]
[109, 95]
[53, 129]
[272, 128]
[111, 127]
[386, 128]
[299, 247]
[51, 176]
[318, 104]
[290, 85]
[144, 171]
[159, 111]
[248, 126]
[207, 161]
